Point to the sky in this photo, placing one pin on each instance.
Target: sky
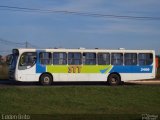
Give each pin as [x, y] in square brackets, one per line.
[50, 30]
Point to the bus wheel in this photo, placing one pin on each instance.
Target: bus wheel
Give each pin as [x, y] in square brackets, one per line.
[114, 79]
[46, 79]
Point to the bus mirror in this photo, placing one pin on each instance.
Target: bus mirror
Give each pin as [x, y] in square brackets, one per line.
[15, 52]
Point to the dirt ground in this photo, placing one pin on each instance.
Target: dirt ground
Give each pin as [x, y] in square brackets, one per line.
[145, 82]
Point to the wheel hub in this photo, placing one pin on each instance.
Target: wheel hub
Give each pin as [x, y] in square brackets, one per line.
[46, 80]
[113, 80]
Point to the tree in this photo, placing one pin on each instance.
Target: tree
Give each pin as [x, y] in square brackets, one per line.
[159, 61]
[158, 69]
[0, 59]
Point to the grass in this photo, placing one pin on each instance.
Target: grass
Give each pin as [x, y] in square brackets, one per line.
[136, 99]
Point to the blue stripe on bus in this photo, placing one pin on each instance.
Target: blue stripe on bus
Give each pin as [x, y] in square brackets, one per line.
[39, 67]
[132, 69]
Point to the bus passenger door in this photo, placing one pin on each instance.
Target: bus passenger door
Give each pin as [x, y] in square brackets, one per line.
[26, 67]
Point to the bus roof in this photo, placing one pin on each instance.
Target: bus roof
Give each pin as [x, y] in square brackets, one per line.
[21, 50]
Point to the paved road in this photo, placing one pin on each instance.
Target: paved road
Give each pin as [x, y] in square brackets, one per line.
[7, 83]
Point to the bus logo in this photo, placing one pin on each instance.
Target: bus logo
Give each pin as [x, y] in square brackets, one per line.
[74, 69]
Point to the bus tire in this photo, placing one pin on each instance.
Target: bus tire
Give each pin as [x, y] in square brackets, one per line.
[46, 79]
[114, 79]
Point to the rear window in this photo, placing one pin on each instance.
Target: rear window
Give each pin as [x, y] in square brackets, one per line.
[145, 58]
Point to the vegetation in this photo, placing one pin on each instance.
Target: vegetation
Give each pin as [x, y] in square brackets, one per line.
[3, 71]
[158, 73]
[83, 101]
[4, 68]
[158, 69]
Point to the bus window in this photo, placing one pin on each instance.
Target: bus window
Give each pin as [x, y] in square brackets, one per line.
[27, 59]
[74, 59]
[89, 58]
[130, 58]
[103, 58]
[59, 58]
[145, 58]
[117, 59]
[45, 58]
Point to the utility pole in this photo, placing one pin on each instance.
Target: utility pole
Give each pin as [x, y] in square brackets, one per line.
[26, 44]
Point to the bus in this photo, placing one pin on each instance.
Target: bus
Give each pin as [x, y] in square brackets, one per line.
[79, 65]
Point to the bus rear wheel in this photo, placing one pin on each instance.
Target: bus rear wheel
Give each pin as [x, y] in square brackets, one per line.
[114, 79]
[46, 79]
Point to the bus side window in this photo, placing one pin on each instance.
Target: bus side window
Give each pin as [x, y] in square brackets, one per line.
[59, 58]
[74, 58]
[130, 58]
[89, 58]
[103, 58]
[145, 58]
[117, 58]
[45, 58]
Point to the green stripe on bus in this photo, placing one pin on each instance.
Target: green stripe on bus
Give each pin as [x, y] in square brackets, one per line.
[83, 69]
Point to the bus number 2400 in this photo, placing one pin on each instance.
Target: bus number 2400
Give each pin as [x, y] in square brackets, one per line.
[145, 69]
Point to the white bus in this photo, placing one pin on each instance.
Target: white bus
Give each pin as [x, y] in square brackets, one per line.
[55, 65]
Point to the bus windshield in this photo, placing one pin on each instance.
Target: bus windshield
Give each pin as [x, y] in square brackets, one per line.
[13, 61]
[27, 60]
